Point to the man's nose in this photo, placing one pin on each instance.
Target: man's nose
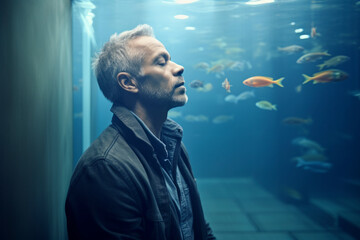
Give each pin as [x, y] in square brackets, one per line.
[178, 69]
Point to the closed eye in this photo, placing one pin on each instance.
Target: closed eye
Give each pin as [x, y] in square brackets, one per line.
[161, 62]
[162, 59]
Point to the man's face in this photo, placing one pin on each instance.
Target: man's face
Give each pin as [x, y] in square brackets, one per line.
[162, 84]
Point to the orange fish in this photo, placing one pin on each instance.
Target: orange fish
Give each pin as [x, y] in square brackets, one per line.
[331, 75]
[314, 33]
[225, 84]
[260, 81]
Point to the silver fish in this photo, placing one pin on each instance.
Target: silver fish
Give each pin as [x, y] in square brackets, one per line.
[265, 105]
[312, 57]
[196, 84]
[314, 166]
[334, 61]
[307, 143]
[291, 49]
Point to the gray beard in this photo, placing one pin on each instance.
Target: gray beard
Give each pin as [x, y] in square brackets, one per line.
[157, 99]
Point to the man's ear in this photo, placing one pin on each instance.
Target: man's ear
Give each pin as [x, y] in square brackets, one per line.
[127, 82]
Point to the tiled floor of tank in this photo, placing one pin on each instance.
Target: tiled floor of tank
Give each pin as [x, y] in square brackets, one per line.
[240, 209]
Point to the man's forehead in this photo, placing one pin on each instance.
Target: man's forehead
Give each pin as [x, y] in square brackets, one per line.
[150, 45]
[146, 42]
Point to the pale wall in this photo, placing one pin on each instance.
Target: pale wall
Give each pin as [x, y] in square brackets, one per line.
[36, 118]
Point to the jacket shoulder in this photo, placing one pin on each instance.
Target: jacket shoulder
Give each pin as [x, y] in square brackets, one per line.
[110, 149]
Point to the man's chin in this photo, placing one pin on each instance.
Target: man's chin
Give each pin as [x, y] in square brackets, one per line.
[180, 101]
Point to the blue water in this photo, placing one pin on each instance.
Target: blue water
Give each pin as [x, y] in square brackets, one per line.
[253, 142]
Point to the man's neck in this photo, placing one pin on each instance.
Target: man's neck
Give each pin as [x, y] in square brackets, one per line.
[153, 119]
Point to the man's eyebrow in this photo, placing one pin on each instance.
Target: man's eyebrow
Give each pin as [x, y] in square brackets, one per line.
[164, 55]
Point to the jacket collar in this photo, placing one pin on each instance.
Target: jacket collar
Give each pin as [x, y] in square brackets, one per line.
[171, 128]
[129, 124]
[133, 128]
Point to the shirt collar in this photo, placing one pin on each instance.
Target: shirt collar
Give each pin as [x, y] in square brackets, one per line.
[158, 145]
[170, 129]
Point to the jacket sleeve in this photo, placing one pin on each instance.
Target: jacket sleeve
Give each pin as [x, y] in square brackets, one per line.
[101, 204]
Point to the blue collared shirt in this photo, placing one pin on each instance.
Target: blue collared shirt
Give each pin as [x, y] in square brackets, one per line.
[165, 148]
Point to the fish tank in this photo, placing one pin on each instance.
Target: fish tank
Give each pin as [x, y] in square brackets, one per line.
[273, 110]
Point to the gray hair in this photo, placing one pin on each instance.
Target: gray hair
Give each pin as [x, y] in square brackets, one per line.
[116, 57]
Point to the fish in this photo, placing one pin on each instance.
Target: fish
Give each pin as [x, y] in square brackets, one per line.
[245, 95]
[314, 166]
[239, 65]
[236, 66]
[231, 98]
[202, 65]
[265, 105]
[312, 57]
[206, 88]
[225, 84]
[355, 93]
[296, 121]
[217, 68]
[196, 118]
[196, 84]
[291, 49]
[308, 144]
[313, 33]
[334, 61]
[174, 114]
[331, 75]
[242, 96]
[222, 119]
[220, 43]
[260, 81]
[314, 155]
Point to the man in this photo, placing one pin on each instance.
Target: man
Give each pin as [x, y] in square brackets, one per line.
[135, 180]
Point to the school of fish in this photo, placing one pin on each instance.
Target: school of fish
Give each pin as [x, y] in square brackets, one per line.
[314, 158]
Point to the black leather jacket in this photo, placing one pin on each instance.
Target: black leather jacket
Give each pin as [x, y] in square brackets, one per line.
[118, 191]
